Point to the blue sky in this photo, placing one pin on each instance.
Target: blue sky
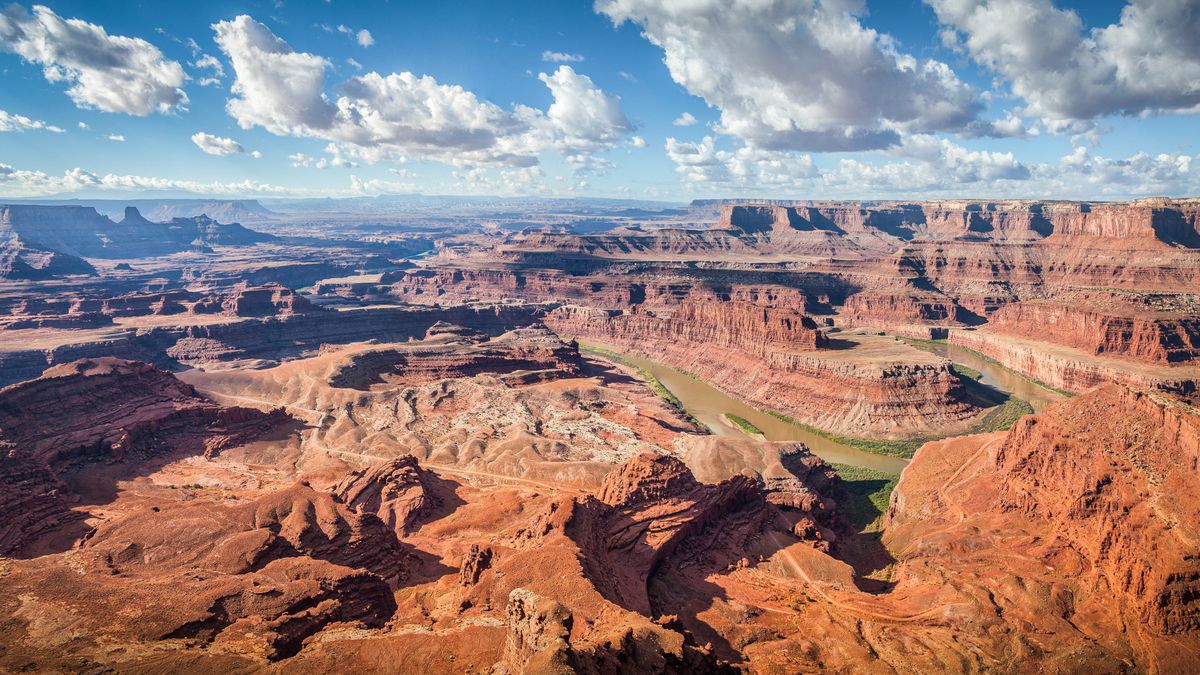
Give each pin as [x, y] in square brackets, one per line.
[790, 99]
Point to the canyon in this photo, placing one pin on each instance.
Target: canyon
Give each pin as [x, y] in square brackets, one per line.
[441, 446]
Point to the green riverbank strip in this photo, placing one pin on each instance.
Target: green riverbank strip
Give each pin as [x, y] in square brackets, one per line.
[651, 381]
[985, 357]
[744, 424]
[999, 418]
[869, 492]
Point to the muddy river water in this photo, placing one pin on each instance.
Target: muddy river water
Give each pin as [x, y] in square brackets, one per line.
[708, 404]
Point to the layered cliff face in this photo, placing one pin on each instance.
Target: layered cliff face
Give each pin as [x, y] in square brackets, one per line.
[81, 231]
[524, 355]
[741, 325]
[1076, 370]
[775, 358]
[100, 411]
[1139, 335]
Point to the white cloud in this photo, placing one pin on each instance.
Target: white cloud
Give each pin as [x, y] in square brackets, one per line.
[687, 119]
[1147, 62]
[275, 87]
[585, 119]
[13, 122]
[24, 183]
[746, 167]
[939, 165]
[628, 76]
[362, 37]
[389, 117]
[376, 186]
[637, 142]
[207, 61]
[354, 64]
[300, 159]
[83, 126]
[110, 72]
[256, 154]
[116, 137]
[216, 145]
[798, 74]
[561, 57]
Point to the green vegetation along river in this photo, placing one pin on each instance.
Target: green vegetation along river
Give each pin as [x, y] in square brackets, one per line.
[707, 404]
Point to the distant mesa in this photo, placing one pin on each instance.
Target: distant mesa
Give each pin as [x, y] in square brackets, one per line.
[44, 242]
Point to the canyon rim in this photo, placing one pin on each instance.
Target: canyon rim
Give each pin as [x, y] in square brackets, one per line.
[626, 336]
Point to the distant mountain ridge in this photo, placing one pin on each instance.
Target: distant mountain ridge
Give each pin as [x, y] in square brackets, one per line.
[38, 241]
[161, 210]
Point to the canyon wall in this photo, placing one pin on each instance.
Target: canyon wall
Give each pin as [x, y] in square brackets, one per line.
[1156, 339]
[1074, 370]
[776, 359]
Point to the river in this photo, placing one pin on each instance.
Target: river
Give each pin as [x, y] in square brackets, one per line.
[707, 404]
[994, 375]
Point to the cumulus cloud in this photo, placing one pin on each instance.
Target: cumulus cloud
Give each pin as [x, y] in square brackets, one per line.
[216, 145]
[256, 154]
[275, 87]
[561, 57]
[687, 119]
[300, 159]
[13, 122]
[930, 165]
[799, 74]
[584, 118]
[25, 183]
[362, 37]
[112, 73]
[375, 117]
[1147, 62]
[210, 62]
[116, 137]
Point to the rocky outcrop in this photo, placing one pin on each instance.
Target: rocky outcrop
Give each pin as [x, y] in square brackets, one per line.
[102, 410]
[282, 567]
[265, 301]
[398, 492]
[747, 327]
[523, 355]
[1081, 520]
[1115, 475]
[21, 261]
[644, 511]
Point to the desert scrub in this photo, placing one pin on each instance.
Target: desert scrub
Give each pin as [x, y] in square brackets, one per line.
[868, 492]
[905, 448]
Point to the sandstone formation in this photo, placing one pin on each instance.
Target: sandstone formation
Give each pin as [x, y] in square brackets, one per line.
[47, 430]
[1080, 519]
